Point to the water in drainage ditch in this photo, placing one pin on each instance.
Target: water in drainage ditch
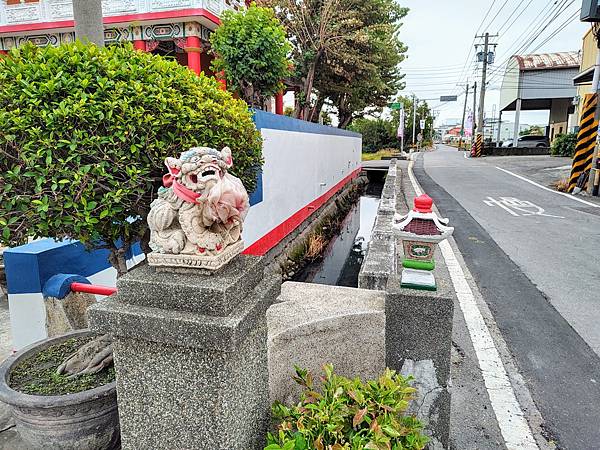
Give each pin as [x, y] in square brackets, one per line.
[345, 252]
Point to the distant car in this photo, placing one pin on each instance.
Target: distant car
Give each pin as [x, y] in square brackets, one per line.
[528, 141]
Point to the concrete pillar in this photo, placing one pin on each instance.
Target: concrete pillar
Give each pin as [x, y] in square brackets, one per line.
[190, 355]
[279, 103]
[193, 50]
[139, 44]
[418, 335]
[517, 123]
[88, 21]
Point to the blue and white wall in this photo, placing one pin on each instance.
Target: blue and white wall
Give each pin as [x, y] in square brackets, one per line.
[305, 165]
[303, 161]
[28, 269]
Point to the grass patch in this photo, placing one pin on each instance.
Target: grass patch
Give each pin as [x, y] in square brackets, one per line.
[37, 374]
[378, 155]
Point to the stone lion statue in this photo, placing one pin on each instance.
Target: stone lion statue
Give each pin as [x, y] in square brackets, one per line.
[198, 215]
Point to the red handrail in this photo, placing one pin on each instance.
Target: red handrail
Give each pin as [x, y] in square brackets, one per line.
[93, 289]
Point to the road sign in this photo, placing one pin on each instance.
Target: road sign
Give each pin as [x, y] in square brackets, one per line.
[397, 106]
[448, 98]
[422, 124]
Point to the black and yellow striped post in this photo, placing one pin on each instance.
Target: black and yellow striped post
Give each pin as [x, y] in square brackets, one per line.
[586, 140]
[477, 150]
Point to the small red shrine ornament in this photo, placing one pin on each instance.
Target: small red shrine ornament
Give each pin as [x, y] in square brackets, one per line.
[420, 230]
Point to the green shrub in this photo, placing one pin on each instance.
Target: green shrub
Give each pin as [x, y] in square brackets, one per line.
[84, 132]
[564, 145]
[376, 134]
[348, 415]
[252, 48]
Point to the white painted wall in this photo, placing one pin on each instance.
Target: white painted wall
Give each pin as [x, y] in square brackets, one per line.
[299, 167]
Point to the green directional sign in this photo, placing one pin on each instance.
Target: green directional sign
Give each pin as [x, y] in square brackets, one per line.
[397, 106]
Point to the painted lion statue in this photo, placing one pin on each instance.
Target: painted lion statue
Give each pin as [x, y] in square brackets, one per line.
[201, 208]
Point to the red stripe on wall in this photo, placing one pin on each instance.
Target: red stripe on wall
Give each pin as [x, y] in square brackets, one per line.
[191, 12]
[277, 234]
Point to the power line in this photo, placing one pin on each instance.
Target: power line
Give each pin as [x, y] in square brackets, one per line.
[516, 18]
[497, 14]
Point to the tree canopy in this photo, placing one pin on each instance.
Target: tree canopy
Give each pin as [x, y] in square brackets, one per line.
[381, 133]
[252, 50]
[346, 54]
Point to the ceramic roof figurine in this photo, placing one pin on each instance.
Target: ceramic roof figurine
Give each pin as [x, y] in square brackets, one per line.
[420, 230]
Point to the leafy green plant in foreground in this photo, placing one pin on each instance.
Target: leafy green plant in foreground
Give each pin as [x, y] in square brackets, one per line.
[348, 415]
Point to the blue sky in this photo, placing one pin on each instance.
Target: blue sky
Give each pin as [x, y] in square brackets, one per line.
[439, 34]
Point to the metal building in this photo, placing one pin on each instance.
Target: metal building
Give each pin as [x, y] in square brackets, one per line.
[541, 82]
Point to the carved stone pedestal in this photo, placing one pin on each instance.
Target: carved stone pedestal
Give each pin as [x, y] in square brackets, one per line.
[190, 355]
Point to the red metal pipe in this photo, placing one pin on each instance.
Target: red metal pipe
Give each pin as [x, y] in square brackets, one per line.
[93, 289]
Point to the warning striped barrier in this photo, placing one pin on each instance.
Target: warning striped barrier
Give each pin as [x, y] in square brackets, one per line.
[586, 140]
[477, 149]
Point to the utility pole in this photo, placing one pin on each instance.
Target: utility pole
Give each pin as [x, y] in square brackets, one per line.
[414, 119]
[474, 109]
[88, 21]
[486, 60]
[462, 126]
[486, 43]
[499, 128]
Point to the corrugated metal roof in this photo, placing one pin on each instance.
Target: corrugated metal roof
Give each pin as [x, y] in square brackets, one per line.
[549, 61]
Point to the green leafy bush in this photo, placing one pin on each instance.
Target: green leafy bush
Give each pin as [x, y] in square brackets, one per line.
[376, 133]
[251, 48]
[564, 145]
[84, 132]
[348, 415]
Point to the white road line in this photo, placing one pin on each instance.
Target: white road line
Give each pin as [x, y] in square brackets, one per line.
[511, 420]
[572, 197]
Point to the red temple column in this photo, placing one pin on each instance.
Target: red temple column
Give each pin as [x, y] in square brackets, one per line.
[139, 44]
[279, 103]
[193, 50]
[221, 80]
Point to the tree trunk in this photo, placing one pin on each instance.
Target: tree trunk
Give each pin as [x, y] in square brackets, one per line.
[97, 354]
[303, 108]
[88, 21]
[118, 259]
[345, 120]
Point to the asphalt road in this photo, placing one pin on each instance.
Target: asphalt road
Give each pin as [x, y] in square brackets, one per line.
[532, 255]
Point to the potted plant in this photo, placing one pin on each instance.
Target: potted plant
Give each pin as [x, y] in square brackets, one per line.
[54, 410]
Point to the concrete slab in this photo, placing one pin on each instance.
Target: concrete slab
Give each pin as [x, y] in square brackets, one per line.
[312, 325]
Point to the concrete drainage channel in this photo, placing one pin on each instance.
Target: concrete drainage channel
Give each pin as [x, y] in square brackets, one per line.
[342, 258]
[363, 330]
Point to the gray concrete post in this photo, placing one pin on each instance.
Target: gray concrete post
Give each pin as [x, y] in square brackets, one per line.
[418, 334]
[191, 357]
[88, 21]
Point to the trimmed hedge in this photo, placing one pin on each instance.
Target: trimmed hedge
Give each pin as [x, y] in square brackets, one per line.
[84, 132]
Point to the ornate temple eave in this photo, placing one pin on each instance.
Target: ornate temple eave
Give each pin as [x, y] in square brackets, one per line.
[200, 15]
